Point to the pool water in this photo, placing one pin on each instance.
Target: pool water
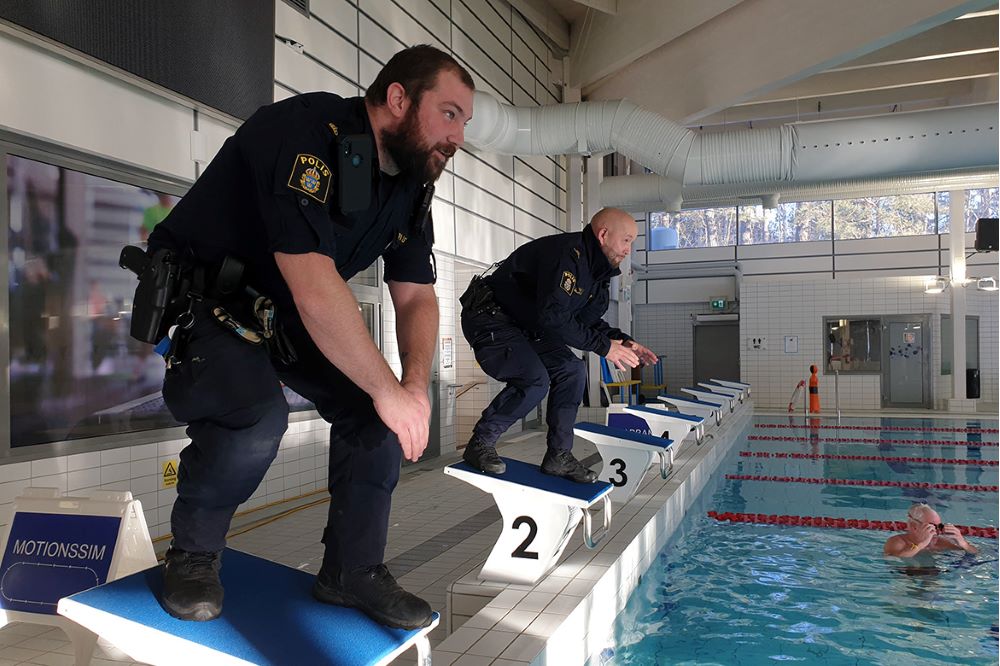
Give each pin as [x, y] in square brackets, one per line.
[738, 593]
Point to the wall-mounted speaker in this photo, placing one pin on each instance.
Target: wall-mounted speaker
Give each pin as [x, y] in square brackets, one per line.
[986, 234]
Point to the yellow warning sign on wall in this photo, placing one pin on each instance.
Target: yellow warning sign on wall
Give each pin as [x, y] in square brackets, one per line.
[169, 474]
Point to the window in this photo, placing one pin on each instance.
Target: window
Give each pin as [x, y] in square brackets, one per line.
[853, 346]
[707, 227]
[971, 343]
[978, 203]
[880, 217]
[788, 223]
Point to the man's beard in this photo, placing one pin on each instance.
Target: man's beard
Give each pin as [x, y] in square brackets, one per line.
[407, 148]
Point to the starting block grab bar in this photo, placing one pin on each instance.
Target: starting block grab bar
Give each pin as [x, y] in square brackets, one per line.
[540, 513]
[627, 455]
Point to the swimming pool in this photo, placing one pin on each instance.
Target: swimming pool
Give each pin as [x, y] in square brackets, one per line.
[744, 593]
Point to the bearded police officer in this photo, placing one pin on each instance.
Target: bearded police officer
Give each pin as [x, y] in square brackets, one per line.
[550, 293]
[307, 193]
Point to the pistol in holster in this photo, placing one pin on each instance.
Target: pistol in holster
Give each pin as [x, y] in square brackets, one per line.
[478, 297]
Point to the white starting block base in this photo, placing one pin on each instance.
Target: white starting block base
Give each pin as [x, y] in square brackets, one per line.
[627, 455]
[743, 386]
[724, 390]
[269, 618]
[692, 406]
[540, 513]
[705, 395]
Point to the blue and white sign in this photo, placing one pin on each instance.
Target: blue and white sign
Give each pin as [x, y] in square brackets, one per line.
[51, 556]
[629, 422]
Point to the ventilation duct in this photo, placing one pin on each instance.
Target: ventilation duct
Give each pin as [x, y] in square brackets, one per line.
[809, 153]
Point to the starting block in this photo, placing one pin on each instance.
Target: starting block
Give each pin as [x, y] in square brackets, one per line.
[655, 419]
[627, 455]
[731, 384]
[691, 405]
[269, 617]
[540, 513]
[711, 396]
[724, 390]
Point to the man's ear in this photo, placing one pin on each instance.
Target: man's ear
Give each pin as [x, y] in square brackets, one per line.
[396, 100]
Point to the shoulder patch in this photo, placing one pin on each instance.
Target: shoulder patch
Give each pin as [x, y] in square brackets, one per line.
[310, 176]
[568, 282]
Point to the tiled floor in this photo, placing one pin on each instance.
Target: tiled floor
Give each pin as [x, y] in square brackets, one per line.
[440, 528]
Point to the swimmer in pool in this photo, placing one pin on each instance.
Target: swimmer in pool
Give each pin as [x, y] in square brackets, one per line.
[925, 533]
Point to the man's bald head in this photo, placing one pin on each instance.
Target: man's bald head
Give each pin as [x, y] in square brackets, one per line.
[615, 230]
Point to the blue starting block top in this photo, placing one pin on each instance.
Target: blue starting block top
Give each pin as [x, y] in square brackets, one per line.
[660, 412]
[642, 438]
[269, 617]
[690, 399]
[529, 476]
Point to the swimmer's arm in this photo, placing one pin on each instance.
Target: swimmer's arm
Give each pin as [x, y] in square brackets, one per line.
[898, 546]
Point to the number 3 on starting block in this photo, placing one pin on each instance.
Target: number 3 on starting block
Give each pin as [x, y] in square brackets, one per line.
[540, 513]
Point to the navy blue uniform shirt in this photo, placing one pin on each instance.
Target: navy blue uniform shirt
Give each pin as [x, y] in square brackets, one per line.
[557, 286]
[272, 187]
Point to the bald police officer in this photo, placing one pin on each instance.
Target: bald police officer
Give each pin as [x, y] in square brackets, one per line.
[550, 294]
[271, 198]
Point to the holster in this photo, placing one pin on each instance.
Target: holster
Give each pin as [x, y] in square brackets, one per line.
[478, 298]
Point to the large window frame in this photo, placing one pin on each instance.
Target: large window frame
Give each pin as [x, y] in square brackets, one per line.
[835, 350]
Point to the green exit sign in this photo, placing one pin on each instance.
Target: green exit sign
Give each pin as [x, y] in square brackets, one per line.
[718, 304]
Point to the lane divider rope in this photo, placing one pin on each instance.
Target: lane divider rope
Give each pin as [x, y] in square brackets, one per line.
[867, 440]
[864, 482]
[896, 459]
[827, 521]
[872, 427]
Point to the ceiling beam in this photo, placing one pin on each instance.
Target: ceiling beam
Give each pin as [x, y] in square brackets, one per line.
[609, 7]
[763, 45]
[889, 76]
[959, 37]
[910, 98]
[603, 44]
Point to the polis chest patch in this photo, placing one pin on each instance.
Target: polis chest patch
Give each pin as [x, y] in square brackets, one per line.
[310, 176]
[568, 282]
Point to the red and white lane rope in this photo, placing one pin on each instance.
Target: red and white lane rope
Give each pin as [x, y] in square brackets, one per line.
[872, 427]
[863, 482]
[867, 440]
[827, 521]
[895, 459]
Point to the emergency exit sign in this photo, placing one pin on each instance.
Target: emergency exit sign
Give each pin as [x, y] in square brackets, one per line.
[718, 303]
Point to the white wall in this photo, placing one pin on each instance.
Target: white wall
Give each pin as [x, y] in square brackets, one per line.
[776, 308]
[485, 205]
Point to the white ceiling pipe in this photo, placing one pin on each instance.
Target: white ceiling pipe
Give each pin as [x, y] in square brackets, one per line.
[879, 146]
[641, 193]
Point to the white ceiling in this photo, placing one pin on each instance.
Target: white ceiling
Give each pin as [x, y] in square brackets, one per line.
[734, 63]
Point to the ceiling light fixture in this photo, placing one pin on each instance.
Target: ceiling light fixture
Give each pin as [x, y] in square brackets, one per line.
[935, 285]
[986, 284]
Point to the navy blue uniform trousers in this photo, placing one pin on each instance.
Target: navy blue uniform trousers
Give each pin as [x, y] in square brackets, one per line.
[229, 393]
[531, 365]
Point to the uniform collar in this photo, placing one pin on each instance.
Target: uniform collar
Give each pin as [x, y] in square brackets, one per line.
[600, 267]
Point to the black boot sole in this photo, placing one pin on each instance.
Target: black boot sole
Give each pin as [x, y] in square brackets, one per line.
[335, 598]
[202, 612]
[590, 478]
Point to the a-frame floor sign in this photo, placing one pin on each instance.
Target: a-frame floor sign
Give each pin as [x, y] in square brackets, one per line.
[540, 513]
[58, 545]
[627, 455]
[269, 619]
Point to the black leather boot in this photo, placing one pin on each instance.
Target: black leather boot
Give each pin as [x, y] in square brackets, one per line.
[483, 457]
[191, 586]
[562, 463]
[375, 592]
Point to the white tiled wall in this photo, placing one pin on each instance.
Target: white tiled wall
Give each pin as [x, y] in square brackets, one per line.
[485, 206]
[667, 329]
[778, 308]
